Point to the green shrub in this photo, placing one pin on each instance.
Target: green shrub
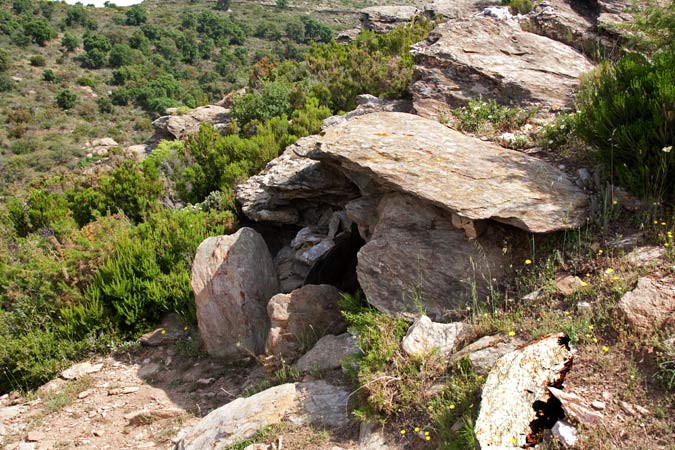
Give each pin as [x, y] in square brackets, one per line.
[37, 61]
[520, 6]
[66, 99]
[39, 31]
[627, 115]
[5, 60]
[70, 42]
[49, 76]
[483, 117]
[136, 15]
[6, 83]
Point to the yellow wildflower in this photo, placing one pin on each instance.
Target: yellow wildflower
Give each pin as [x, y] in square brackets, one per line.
[163, 332]
[605, 348]
[402, 431]
[452, 406]
[609, 270]
[512, 333]
[417, 429]
[528, 262]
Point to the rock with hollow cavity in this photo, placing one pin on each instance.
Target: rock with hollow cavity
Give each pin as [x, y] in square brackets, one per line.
[493, 60]
[477, 180]
[382, 19]
[329, 352]
[432, 266]
[575, 407]
[233, 277]
[514, 388]
[306, 314]
[292, 184]
[425, 336]
[315, 402]
[650, 305]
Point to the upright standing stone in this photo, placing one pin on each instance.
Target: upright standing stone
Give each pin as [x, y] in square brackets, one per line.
[233, 277]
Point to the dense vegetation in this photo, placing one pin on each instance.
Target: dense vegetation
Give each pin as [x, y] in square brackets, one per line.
[92, 257]
[626, 110]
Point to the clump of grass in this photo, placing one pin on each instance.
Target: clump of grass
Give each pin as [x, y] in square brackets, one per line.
[55, 400]
[665, 360]
[485, 117]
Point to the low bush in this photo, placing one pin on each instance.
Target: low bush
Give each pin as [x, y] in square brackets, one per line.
[627, 115]
[486, 116]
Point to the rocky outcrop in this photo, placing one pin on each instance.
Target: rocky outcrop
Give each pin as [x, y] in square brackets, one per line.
[517, 389]
[233, 277]
[383, 152]
[292, 188]
[407, 276]
[329, 352]
[452, 10]
[315, 402]
[382, 19]
[493, 60]
[305, 314]
[569, 22]
[367, 104]
[425, 336]
[100, 147]
[650, 305]
[177, 126]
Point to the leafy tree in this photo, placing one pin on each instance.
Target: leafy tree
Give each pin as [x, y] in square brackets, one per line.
[94, 59]
[136, 15]
[39, 31]
[316, 31]
[76, 15]
[96, 41]
[70, 42]
[273, 100]
[66, 99]
[121, 55]
[23, 6]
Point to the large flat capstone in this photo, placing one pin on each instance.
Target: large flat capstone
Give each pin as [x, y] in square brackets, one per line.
[389, 151]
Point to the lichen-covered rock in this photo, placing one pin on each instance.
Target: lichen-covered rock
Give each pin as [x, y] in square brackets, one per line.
[452, 10]
[650, 305]
[493, 60]
[432, 264]
[520, 379]
[315, 402]
[384, 152]
[307, 313]
[368, 104]
[425, 336]
[233, 277]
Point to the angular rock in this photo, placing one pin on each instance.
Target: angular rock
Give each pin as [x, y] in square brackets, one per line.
[360, 211]
[485, 352]
[369, 104]
[347, 36]
[329, 352]
[408, 276]
[645, 256]
[568, 284]
[315, 402]
[565, 433]
[81, 369]
[572, 23]
[372, 437]
[146, 416]
[474, 179]
[517, 387]
[124, 390]
[575, 408]
[233, 277]
[170, 330]
[425, 336]
[291, 184]
[382, 19]
[178, 126]
[650, 305]
[453, 10]
[493, 60]
[305, 314]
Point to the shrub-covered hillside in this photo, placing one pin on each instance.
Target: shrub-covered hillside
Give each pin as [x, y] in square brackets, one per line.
[90, 254]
